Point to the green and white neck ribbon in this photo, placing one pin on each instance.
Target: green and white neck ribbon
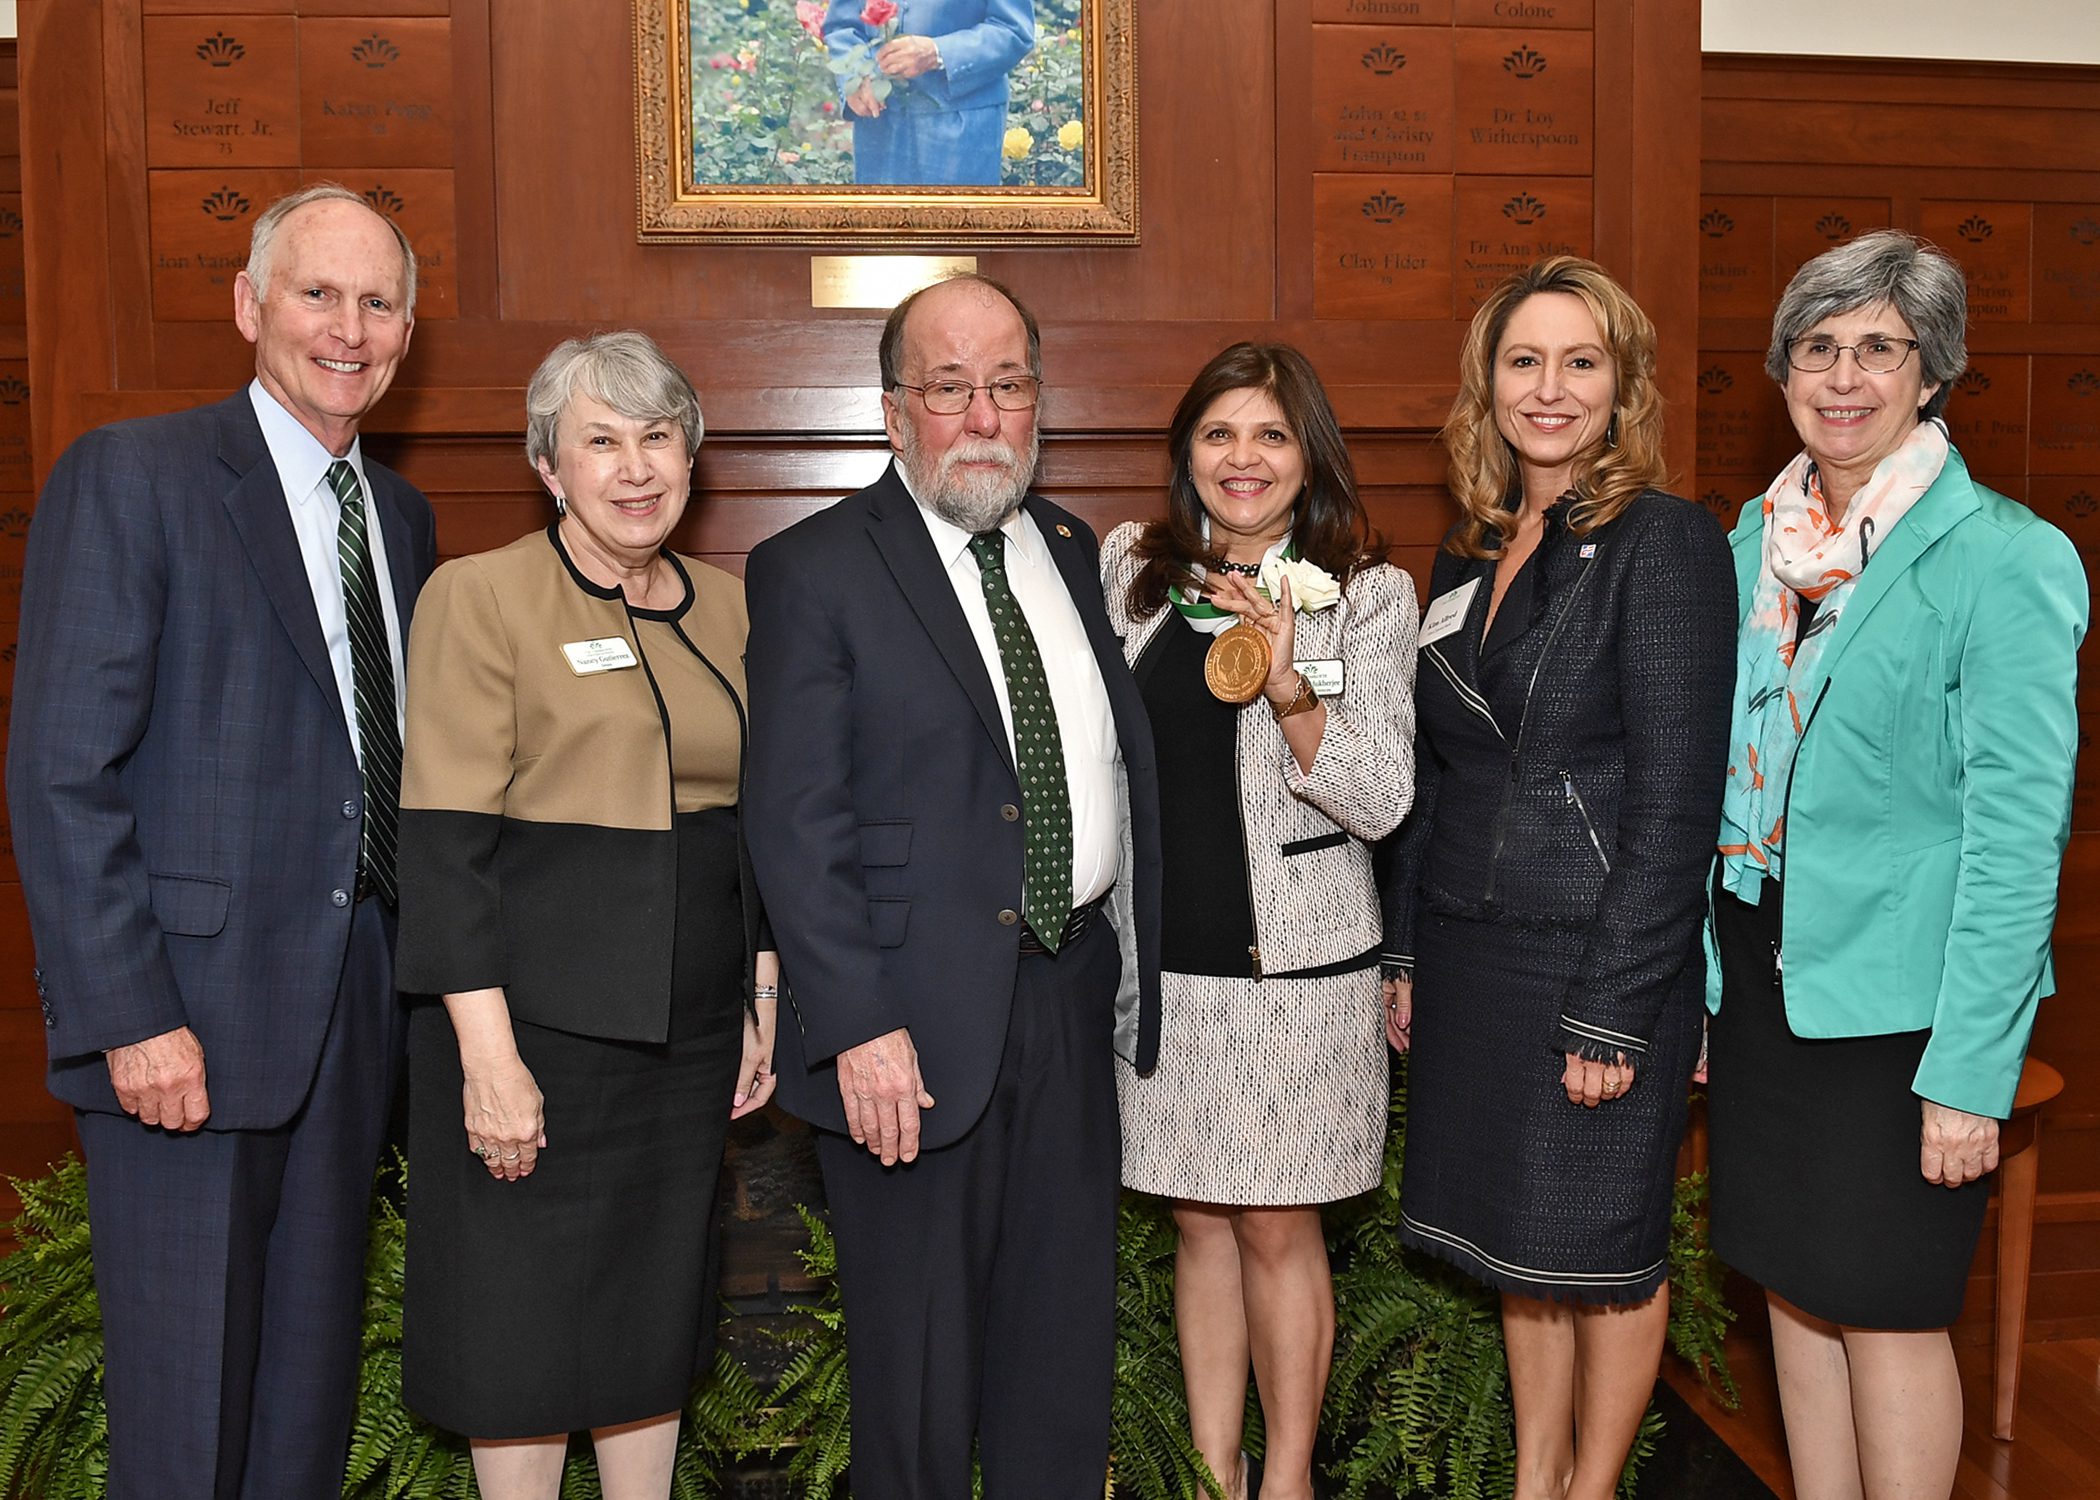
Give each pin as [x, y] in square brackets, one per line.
[1207, 617]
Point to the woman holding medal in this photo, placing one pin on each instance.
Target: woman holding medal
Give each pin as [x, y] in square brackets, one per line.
[574, 885]
[1263, 581]
[1546, 897]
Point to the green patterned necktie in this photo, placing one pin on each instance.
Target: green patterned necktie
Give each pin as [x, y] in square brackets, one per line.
[1039, 752]
[372, 684]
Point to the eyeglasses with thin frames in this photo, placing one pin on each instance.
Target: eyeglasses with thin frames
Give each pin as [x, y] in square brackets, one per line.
[951, 398]
[1877, 356]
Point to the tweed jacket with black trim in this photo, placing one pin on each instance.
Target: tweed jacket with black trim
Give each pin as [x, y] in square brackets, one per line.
[1309, 833]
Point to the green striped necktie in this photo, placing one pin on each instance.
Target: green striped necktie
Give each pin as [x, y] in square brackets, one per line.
[372, 680]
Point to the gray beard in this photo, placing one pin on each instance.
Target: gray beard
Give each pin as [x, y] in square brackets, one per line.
[971, 502]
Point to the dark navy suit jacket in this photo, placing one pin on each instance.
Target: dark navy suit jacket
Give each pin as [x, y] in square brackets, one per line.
[879, 767]
[185, 795]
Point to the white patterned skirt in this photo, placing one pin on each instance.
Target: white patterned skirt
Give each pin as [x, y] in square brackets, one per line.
[1266, 1094]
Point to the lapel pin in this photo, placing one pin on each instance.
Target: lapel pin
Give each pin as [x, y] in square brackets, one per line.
[1063, 529]
[1589, 549]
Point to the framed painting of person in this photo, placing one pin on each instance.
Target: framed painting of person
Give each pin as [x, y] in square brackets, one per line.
[886, 121]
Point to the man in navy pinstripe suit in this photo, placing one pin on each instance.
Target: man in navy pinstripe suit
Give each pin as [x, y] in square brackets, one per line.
[203, 778]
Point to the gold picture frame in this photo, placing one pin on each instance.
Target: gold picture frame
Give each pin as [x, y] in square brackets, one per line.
[748, 129]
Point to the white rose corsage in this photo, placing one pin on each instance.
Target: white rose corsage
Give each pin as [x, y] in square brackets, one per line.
[1313, 588]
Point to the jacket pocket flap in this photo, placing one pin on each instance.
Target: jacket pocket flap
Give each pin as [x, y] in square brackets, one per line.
[189, 905]
[1322, 841]
[885, 843]
[888, 918]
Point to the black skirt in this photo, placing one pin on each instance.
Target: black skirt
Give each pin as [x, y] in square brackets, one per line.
[584, 1295]
[1814, 1154]
[1504, 1177]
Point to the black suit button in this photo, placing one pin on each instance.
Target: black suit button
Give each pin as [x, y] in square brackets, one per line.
[339, 896]
[1009, 812]
[1008, 916]
[350, 808]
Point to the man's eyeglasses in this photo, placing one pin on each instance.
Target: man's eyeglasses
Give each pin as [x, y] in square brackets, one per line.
[951, 398]
[1876, 356]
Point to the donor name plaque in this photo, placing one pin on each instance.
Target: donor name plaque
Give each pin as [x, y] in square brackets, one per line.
[1987, 414]
[1506, 223]
[376, 92]
[221, 91]
[197, 230]
[1735, 257]
[2065, 438]
[1525, 101]
[1742, 419]
[1992, 241]
[1381, 98]
[1381, 246]
[2067, 262]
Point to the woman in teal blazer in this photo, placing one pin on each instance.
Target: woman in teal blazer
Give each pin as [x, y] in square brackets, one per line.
[1898, 799]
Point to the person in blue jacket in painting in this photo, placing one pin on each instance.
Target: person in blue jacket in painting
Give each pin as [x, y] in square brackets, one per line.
[943, 118]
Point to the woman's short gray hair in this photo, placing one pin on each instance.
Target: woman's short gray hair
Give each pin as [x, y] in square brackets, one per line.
[624, 370]
[1921, 281]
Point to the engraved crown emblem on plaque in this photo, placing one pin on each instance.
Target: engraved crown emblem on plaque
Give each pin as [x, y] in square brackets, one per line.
[226, 205]
[1384, 208]
[220, 50]
[375, 51]
[1525, 62]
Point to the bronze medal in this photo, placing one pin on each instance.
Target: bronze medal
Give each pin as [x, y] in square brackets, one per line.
[1237, 663]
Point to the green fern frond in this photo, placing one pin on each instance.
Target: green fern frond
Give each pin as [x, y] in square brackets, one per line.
[1699, 1314]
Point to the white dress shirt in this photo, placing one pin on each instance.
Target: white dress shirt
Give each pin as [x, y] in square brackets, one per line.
[1085, 723]
[302, 468]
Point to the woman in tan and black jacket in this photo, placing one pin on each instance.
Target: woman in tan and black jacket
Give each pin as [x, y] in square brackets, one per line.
[1270, 1094]
[574, 885]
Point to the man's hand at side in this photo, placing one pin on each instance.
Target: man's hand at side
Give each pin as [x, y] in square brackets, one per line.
[880, 1086]
[161, 1080]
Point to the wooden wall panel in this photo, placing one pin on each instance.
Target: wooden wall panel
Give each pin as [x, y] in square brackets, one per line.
[2000, 166]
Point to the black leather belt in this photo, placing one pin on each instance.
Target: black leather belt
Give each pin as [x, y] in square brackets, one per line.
[1075, 928]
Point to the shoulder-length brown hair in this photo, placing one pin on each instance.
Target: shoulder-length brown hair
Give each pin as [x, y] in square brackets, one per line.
[1328, 523]
[1484, 478]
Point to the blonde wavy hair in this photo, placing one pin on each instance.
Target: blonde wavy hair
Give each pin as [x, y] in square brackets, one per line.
[1484, 476]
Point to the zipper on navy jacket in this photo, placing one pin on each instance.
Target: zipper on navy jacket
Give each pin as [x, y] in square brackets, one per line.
[1582, 811]
[1516, 748]
[1786, 804]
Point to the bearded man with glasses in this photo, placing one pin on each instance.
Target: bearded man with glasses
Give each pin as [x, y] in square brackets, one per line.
[954, 820]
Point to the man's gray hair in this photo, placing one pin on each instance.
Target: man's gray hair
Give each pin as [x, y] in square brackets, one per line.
[262, 240]
[1920, 281]
[626, 371]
